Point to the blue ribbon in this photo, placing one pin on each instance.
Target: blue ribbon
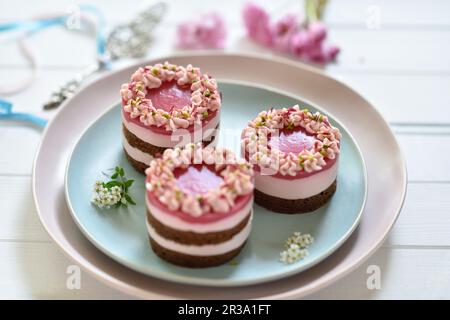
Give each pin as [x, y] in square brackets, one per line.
[32, 25]
[6, 107]
[100, 37]
[6, 113]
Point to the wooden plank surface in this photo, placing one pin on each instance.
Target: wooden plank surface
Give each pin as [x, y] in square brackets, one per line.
[350, 13]
[40, 270]
[390, 93]
[405, 274]
[365, 49]
[424, 219]
[23, 141]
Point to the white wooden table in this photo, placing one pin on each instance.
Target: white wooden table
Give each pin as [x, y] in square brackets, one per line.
[403, 67]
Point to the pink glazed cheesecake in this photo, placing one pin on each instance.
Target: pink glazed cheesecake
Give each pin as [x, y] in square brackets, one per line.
[164, 106]
[199, 205]
[295, 155]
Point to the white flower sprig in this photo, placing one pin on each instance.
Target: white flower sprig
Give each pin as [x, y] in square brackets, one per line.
[296, 248]
[114, 192]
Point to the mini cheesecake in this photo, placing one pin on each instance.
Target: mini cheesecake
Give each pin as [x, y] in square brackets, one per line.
[199, 205]
[165, 106]
[295, 155]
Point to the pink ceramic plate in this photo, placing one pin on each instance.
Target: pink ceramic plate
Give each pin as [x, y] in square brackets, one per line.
[385, 168]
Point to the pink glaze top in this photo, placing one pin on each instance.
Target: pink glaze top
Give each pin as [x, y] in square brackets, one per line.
[199, 184]
[294, 141]
[170, 97]
[290, 143]
[197, 179]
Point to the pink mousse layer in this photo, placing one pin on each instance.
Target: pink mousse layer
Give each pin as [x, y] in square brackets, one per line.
[169, 96]
[295, 141]
[197, 180]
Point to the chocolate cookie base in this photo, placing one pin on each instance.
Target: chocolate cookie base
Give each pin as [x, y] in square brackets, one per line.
[141, 144]
[193, 238]
[185, 260]
[148, 148]
[294, 206]
[137, 165]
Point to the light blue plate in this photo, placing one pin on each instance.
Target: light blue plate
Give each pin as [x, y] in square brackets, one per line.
[122, 235]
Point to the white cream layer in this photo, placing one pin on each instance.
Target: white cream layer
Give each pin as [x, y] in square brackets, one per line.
[296, 188]
[136, 153]
[181, 225]
[203, 250]
[182, 138]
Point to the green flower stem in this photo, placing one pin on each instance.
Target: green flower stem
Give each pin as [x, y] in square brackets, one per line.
[314, 10]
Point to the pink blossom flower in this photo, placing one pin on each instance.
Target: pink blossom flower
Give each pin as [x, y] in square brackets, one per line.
[316, 54]
[305, 45]
[318, 31]
[330, 52]
[283, 31]
[288, 36]
[286, 25]
[206, 32]
[257, 23]
[322, 53]
[300, 43]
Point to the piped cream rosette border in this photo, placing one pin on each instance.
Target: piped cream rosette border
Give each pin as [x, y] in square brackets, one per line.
[255, 141]
[236, 172]
[205, 96]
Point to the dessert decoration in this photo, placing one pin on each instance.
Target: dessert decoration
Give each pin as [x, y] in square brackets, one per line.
[165, 106]
[296, 248]
[199, 205]
[113, 193]
[295, 153]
